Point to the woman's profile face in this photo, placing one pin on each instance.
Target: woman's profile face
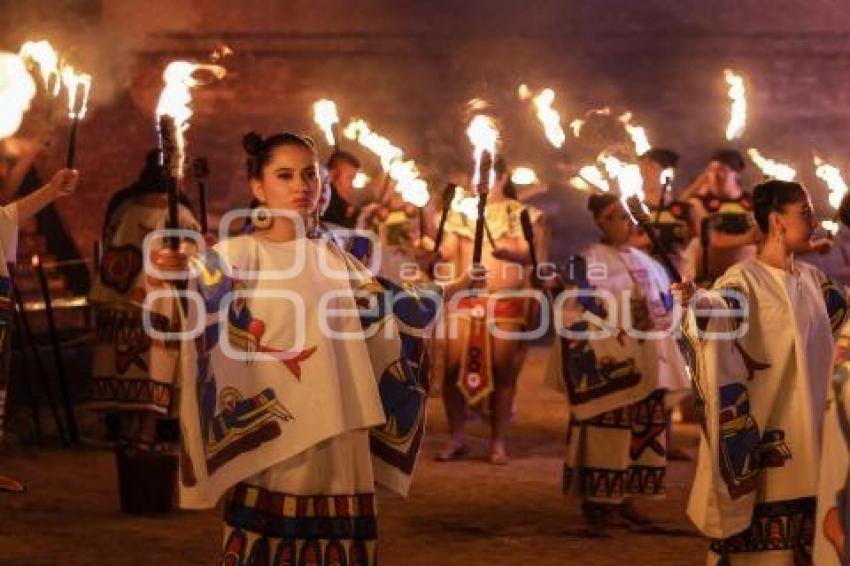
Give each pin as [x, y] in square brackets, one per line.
[290, 181]
[797, 223]
[615, 224]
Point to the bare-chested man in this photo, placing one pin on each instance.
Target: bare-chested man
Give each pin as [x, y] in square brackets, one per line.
[722, 215]
[480, 366]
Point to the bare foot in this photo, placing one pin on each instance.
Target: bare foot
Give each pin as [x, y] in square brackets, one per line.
[453, 452]
[498, 456]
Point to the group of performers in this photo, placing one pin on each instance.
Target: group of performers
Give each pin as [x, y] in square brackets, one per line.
[296, 409]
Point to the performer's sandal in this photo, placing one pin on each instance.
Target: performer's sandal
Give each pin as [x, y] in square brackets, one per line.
[454, 453]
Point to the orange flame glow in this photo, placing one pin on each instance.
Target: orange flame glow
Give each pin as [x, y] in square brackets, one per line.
[831, 175]
[325, 116]
[16, 91]
[483, 134]
[627, 175]
[738, 110]
[771, 168]
[406, 175]
[76, 85]
[637, 133]
[41, 53]
[462, 204]
[548, 116]
[524, 176]
[176, 97]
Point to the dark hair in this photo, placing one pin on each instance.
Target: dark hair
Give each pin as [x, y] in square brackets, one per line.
[600, 201]
[260, 149]
[773, 196]
[151, 180]
[340, 156]
[666, 158]
[844, 210]
[731, 158]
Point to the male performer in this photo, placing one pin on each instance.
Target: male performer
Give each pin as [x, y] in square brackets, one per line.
[481, 366]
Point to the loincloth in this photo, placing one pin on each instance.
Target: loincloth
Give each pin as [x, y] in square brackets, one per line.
[475, 376]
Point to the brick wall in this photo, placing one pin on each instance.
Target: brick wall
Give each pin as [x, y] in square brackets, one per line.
[409, 66]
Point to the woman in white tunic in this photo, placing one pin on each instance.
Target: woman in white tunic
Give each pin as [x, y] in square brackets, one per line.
[766, 348]
[621, 369]
[295, 404]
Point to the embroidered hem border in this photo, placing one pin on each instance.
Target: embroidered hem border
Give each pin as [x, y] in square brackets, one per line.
[778, 525]
[129, 394]
[268, 527]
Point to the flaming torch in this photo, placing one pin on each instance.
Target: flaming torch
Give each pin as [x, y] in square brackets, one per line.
[326, 117]
[16, 91]
[627, 175]
[590, 176]
[172, 119]
[404, 173]
[41, 53]
[524, 176]
[637, 133]
[79, 88]
[483, 135]
[831, 175]
[772, 169]
[549, 117]
[738, 111]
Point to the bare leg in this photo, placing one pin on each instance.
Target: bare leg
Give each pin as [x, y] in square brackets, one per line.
[505, 370]
[455, 405]
[147, 428]
[673, 451]
[503, 402]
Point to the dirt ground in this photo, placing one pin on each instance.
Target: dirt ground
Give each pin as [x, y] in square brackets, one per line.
[461, 513]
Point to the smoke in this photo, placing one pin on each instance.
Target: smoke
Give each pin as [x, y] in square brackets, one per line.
[105, 38]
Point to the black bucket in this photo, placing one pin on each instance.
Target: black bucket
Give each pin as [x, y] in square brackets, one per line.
[146, 481]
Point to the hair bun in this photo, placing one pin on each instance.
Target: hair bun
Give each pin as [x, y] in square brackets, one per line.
[252, 142]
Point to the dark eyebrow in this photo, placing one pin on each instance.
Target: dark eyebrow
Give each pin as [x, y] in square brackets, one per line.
[279, 169]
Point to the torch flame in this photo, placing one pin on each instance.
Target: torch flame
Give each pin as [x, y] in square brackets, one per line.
[524, 176]
[627, 175]
[637, 133]
[483, 134]
[772, 168]
[592, 175]
[577, 124]
[405, 173]
[462, 204]
[42, 54]
[830, 226]
[361, 179]
[832, 177]
[325, 116]
[16, 91]
[524, 92]
[73, 82]
[176, 96]
[738, 111]
[549, 117]
[359, 131]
